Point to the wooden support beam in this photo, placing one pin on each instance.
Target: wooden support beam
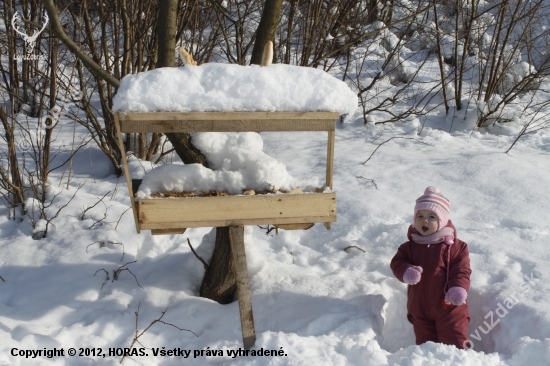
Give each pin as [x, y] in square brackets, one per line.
[236, 238]
[223, 223]
[226, 121]
[126, 172]
[189, 212]
[301, 226]
[330, 164]
[330, 158]
[167, 231]
[228, 116]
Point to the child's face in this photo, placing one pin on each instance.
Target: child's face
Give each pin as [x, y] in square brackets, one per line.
[426, 222]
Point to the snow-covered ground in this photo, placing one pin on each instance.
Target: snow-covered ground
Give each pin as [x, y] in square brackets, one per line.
[317, 302]
[320, 297]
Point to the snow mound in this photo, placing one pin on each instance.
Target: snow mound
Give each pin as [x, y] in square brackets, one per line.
[223, 87]
[238, 161]
[192, 177]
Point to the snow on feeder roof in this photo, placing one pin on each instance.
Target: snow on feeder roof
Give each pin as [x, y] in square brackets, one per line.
[227, 88]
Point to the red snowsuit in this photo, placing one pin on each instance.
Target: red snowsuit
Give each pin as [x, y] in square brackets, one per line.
[431, 320]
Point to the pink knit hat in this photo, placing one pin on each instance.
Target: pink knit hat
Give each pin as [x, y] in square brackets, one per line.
[433, 200]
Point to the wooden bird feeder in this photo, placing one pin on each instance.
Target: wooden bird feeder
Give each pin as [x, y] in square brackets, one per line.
[287, 211]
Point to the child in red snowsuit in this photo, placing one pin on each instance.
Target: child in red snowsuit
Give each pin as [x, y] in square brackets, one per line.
[436, 266]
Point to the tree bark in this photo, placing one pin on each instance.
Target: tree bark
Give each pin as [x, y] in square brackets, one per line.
[266, 29]
[373, 11]
[185, 149]
[49, 122]
[16, 185]
[219, 282]
[167, 28]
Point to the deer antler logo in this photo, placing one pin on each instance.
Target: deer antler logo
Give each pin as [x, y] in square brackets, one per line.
[29, 40]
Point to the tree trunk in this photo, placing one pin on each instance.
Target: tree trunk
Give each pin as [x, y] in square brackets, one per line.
[49, 122]
[373, 11]
[167, 28]
[166, 33]
[185, 149]
[219, 283]
[266, 29]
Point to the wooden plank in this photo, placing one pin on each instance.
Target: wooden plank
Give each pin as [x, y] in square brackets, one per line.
[229, 222]
[237, 207]
[127, 173]
[245, 210]
[208, 116]
[227, 121]
[330, 158]
[236, 238]
[330, 164]
[264, 125]
[167, 231]
[301, 226]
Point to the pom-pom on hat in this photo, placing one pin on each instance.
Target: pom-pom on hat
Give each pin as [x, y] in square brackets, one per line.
[433, 200]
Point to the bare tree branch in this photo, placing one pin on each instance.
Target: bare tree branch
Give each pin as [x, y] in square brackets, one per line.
[356, 247]
[395, 137]
[137, 334]
[57, 28]
[196, 255]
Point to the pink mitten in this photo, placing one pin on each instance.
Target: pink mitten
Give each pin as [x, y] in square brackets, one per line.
[456, 295]
[412, 275]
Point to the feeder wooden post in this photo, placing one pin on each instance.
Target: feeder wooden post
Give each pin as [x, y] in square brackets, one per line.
[236, 238]
[126, 171]
[330, 163]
